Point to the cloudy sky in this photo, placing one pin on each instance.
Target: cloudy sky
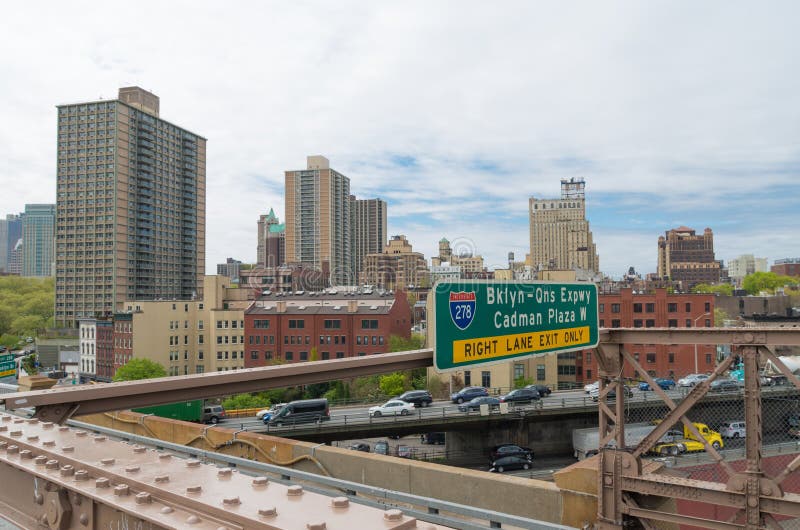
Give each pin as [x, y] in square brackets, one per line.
[455, 113]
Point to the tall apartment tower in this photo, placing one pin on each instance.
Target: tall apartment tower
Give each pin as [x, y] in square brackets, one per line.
[368, 230]
[560, 236]
[10, 233]
[130, 209]
[37, 238]
[686, 257]
[318, 220]
[271, 250]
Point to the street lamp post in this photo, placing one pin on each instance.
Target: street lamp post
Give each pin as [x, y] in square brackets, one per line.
[695, 344]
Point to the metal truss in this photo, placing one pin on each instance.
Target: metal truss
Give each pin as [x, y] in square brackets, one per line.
[622, 483]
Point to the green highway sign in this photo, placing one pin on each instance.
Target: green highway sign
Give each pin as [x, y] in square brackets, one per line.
[6, 357]
[483, 322]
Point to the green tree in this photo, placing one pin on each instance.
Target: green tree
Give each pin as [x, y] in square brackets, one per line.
[725, 289]
[720, 316]
[393, 384]
[29, 364]
[139, 368]
[398, 343]
[766, 281]
[520, 382]
[246, 401]
[27, 325]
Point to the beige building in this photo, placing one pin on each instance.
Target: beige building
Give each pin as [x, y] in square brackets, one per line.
[560, 237]
[368, 230]
[745, 264]
[130, 207]
[318, 220]
[468, 263]
[499, 378]
[397, 267]
[192, 336]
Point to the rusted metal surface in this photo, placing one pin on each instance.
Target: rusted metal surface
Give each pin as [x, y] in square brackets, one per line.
[757, 499]
[58, 478]
[57, 405]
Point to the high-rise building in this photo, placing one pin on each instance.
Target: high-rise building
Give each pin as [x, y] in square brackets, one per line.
[745, 264]
[15, 257]
[688, 258]
[318, 220]
[37, 236]
[229, 269]
[368, 230]
[560, 237]
[130, 210]
[271, 251]
[10, 233]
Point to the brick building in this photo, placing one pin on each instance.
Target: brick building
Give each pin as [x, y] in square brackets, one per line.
[786, 267]
[123, 346]
[104, 350]
[307, 326]
[688, 258]
[657, 309]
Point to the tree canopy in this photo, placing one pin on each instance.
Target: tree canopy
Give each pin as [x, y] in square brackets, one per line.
[722, 288]
[766, 281]
[138, 368]
[26, 304]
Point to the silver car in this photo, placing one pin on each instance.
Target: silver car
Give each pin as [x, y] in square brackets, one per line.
[692, 379]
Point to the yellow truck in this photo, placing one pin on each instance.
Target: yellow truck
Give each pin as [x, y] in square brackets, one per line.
[678, 442]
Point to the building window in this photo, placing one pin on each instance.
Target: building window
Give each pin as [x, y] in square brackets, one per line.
[333, 324]
[467, 378]
[200, 355]
[588, 357]
[297, 324]
[286, 339]
[602, 308]
[589, 375]
[637, 323]
[651, 358]
[637, 308]
[708, 358]
[268, 355]
[540, 372]
[369, 324]
[671, 358]
[519, 371]
[688, 322]
[602, 323]
[615, 308]
[650, 323]
[261, 324]
[486, 378]
[199, 324]
[326, 355]
[615, 323]
[303, 355]
[358, 339]
[707, 307]
[288, 356]
[340, 355]
[672, 323]
[672, 307]
[254, 355]
[636, 357]
[688, 307]
[650, 308]
[708, 323]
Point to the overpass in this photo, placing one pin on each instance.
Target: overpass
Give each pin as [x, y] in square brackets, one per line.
[623, 487]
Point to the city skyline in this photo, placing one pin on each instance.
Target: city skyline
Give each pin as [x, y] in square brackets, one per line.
[676, 115]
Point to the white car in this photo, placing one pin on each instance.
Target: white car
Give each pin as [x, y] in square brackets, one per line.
[393, 407]
[692, 379]
[591, 386]
[733, 429]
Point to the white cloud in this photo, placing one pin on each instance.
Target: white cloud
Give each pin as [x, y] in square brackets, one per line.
[686, 105]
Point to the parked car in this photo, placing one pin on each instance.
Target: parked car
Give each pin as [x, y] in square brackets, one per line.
[499, 451]
[591, 386]
[733, 429]
[467, 393]
[543, 390]
[475, 404]
[665, 384]
[692, 379]
[521, 395]
[511, 462]
[381, 447]
[404, 451]
[419, 398]
[213, 413]
[393, 407]
[360, 446]
[612, 394]
[723, 385]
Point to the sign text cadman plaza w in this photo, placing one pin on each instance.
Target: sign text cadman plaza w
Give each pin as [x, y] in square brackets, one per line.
[489, 322]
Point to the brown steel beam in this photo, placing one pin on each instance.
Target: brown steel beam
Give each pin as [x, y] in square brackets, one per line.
[57, 405]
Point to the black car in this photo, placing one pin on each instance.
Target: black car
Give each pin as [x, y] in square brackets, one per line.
[511, 462]
[468, 393]
[475, 404]
[502, 450]
[360, 446]
[543, 390]
[420, 398]
[521, 395]
[723, 385]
